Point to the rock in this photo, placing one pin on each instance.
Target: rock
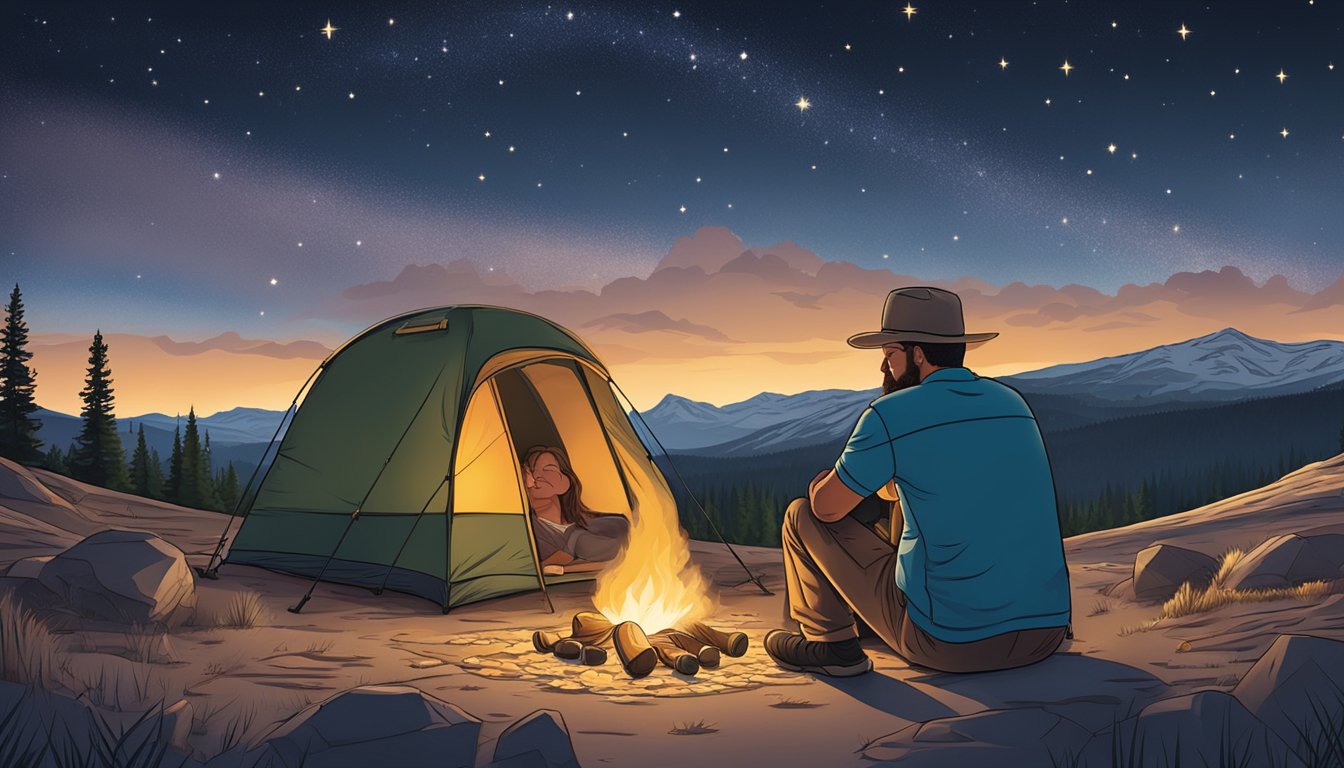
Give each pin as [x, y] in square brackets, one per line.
[370, 725]
[1297, 672]
[542, 732]
[27, 568]
[18, 484]
[158, 732]
[124, 576]
[1027, 736]
[1161, 569]
[1283, 561]
[1205, 728]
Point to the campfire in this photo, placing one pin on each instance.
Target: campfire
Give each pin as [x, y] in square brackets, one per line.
[651, 605]
[684, 650]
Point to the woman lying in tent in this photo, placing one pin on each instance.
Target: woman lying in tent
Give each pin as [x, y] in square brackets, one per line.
[570, 537]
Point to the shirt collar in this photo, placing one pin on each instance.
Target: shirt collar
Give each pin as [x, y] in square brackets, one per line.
[951, 374]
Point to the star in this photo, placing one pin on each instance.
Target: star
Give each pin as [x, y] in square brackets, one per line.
[1176, 228]
[1003, 63]
[909, 11]
[682, 209]
[1284, 133]
[487, 134]
[676, 14]
[1183, 32]
[1067, 68]
[274, 281]
[1111, 148]
[569, 16]
[1281, 76]
[390, 22]
[803, 104]
[481, 177]
[742, 55]
[848, 47]
[327, 30]
[216, 174]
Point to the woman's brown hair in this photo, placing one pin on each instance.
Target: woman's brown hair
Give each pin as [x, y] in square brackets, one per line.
[572, 509]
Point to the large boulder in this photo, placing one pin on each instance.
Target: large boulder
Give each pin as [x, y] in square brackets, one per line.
[1283, 561]
[1161, 569]
[1027, 736]
[372, 725]
[542, 733]
[19, 484]
[1205, 728]
[28, 567]
[123, 576]
[1296, 687]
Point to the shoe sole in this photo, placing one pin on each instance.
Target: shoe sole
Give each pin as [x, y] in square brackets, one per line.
[831, 670]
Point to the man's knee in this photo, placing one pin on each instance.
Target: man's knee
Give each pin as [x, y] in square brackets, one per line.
[797, 515]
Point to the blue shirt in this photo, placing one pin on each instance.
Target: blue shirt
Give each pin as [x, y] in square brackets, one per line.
[981, 553]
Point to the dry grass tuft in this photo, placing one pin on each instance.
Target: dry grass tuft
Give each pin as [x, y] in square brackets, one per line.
[1190, 600]
[244, 611]
[693, 729]
[1101, 606]
[1231, 559]
[28, 650]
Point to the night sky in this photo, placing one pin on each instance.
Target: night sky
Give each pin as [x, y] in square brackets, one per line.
[160, 166]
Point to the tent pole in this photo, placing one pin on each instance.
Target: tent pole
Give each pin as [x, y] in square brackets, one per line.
[211, 571]
[750, 576]
[409, 533]
[355, 514]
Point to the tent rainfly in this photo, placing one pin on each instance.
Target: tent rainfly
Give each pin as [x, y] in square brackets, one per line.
[401, 467]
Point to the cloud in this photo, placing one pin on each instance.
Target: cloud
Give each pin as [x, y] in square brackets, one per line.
[653, 320]
[232, 342]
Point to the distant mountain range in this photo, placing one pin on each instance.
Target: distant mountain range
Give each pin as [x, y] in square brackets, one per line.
[1219, 368]
[239, 436]
[1223, 366]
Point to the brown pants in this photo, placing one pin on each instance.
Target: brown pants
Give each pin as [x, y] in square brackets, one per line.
[836, 570]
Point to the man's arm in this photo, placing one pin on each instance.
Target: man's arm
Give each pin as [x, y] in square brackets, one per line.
[831, 499]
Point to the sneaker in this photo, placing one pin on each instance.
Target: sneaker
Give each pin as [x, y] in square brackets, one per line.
[792, 651]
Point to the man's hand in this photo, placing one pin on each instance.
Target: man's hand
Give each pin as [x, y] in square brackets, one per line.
[831, 498]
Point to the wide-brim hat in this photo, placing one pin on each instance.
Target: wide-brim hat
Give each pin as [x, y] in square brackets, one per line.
[930, 315]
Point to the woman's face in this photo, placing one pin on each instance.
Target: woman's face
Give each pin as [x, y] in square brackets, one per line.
[544, 480]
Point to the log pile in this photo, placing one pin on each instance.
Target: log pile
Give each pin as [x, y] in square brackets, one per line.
[685, 650]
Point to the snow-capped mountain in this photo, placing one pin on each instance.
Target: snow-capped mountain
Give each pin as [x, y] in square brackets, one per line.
[1222, 366]
[1218, 368]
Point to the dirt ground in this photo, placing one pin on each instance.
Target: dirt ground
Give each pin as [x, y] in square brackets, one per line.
[243, 681]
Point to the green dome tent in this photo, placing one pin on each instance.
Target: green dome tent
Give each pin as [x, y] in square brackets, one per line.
[400, 468]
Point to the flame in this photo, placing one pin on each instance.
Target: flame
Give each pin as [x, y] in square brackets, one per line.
[652, 582]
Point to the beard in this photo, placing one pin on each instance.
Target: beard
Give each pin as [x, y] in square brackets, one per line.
[908, 378]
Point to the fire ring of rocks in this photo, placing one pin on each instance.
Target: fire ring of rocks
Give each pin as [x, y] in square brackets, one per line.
[697, 661]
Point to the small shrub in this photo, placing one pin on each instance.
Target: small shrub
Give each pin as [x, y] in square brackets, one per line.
[28, 650]
[244, 611]
[693, 729]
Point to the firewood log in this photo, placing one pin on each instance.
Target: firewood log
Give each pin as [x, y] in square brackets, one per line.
[732, 643]
[674, 657]
[545, 641]
[593, 655]
[707, 655]
[632, 647]
[568, 649]
[591, 627]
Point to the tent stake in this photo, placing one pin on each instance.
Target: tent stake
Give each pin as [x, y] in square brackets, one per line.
[750, 576]
[211, 571]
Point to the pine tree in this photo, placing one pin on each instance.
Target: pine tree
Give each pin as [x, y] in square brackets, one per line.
[1341, 438]
[172, 490]
[97, 456]
[54, 460]
[155, 484]
[140, 466]
[227, 490]
[195, 490]
[18, 428]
